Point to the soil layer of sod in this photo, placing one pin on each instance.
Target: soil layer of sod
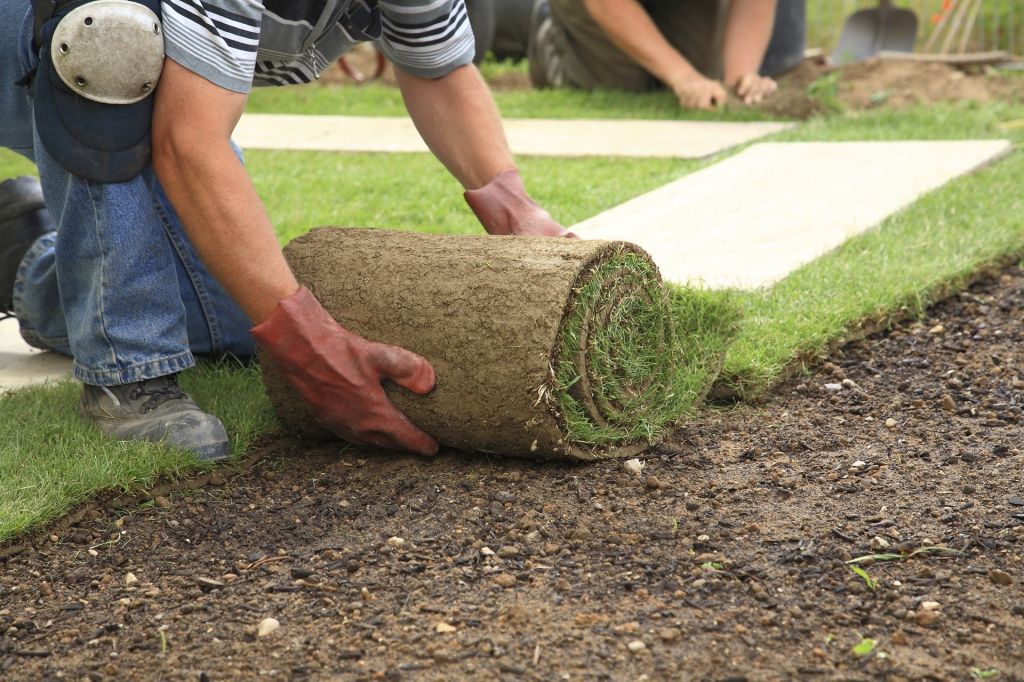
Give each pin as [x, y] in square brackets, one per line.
[548, 348]
[727, 558]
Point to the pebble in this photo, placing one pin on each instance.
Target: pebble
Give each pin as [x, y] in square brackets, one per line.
[633, 466]
[930, 606]
[849, 383]
[207, 584]
[669, 634]
[1016, 501]
[879, 543]
[130, 579]
[1001, 578]
[937, 329]
[45, 590]
[162, 502]
[444, 628]
[267, 626]
[487, 551]
[890, 423]
[653, 483]
[947, 402]
[928, 618]
[636, 646]
[859, 464]
[508, 552]
[505, 580]
[899, 638]
[395, 541]
[833, 388]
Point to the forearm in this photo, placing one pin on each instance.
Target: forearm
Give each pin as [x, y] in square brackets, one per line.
[457, 118]
[226, 222]
[748, 29]
[631, 29]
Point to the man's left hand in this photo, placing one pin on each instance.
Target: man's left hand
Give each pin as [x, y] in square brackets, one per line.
[753, 89]
[503, 207]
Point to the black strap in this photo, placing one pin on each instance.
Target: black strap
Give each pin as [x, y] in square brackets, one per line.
[44, 11]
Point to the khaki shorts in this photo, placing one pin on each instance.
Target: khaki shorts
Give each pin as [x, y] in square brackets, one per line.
[571, 50]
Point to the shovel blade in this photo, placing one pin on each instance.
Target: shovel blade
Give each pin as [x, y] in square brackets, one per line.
[870, 31]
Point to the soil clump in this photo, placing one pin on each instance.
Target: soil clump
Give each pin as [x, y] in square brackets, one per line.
[724, 557]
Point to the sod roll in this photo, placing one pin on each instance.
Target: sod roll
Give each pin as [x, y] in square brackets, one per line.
[548, 348]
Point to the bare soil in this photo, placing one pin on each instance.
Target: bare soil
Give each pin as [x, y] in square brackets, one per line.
[725, 558]
[891, 84]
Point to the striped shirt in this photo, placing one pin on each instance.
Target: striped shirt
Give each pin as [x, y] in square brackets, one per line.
[238, 44]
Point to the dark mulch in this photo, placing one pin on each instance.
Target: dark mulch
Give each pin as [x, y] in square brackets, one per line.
[725, 559]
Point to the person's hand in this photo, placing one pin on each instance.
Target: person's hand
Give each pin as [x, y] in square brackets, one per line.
[753, 89]
[338, 374]
[503, 207]
[699, 93]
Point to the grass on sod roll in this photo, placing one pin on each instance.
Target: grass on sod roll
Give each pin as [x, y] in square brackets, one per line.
[622, 331]
[50, 462]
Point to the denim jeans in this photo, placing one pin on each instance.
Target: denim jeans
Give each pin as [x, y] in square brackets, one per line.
[119, 286]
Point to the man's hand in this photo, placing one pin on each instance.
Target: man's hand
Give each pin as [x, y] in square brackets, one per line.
[699, 92]
[338, 374]
[753, 89]
[503, 207]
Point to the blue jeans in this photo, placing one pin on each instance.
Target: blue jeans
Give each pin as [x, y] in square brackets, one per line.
[119, 286]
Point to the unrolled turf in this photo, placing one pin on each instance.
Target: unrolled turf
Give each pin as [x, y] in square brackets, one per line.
[542, 347]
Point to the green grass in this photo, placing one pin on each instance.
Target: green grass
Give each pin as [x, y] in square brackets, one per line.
[50, 462]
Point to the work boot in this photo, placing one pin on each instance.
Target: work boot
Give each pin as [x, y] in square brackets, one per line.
[23, 220]
[542, 50]
[155, 410]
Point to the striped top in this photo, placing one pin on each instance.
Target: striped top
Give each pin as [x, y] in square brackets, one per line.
[238, 44]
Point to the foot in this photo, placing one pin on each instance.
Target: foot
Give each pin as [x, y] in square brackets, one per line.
[155, 410]
[23, 220]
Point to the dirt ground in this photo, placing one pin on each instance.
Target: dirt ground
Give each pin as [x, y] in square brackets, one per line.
[724, 559]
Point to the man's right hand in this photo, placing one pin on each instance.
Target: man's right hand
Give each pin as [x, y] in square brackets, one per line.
[338, 374]
[699, 92]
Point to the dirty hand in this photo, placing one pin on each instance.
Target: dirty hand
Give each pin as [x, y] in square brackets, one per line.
[503, 207]
[338, 374]
[752, 89]
[699, 93]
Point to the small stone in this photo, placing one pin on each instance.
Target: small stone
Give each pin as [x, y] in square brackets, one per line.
[505, 580]
[395, 542]
[1016, 501]
[130, 579]
[1001, 578]
[703, 538]
[653, 483]
[699, 583]
[879, 544]
[947, 403]
[153, 592]
[300, 572]
[508, 552]
[937, 329]
[487, 551]
[162, 502]
[45, 590]
[858, 465]
[833, 388]
[890, 423]
[849, 383]
[899, 638]
[928, 618]
[634, 466]
[54, 539]
[207, 584]
[267, 626]
[119, 523]
[229, 578]
[930, 606]
[669, 634]
[444, 628]
[636, 646]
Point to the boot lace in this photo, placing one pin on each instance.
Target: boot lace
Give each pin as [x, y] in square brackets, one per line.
[157, 391]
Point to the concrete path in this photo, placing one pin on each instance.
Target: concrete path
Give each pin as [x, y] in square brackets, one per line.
[755, 217]
[22, 365]
[540, 137]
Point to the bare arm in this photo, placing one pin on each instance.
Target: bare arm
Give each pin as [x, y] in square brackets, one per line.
[631, 29]
[457, 118]
[748, 29]
[212, 193]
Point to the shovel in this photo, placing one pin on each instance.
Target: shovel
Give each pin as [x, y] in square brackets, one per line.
[872, 30]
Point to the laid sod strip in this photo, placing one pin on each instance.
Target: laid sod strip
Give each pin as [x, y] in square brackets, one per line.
[547, 348]
[916, 258]
[51, 460]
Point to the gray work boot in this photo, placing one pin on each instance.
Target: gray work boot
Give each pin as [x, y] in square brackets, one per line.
[155, 410]
[23, 220]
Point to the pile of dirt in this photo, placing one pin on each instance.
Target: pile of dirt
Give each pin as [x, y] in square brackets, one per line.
[726, 557]
[814, 88]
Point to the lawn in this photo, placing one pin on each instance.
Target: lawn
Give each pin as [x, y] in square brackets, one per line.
[50, 462]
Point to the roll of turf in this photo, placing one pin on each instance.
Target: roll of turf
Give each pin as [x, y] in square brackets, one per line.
[548, 348]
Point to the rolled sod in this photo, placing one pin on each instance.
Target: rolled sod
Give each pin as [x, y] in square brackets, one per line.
[547, 348]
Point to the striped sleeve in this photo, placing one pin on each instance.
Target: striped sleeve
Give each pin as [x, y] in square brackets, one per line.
[427, 39]
[216, 39]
